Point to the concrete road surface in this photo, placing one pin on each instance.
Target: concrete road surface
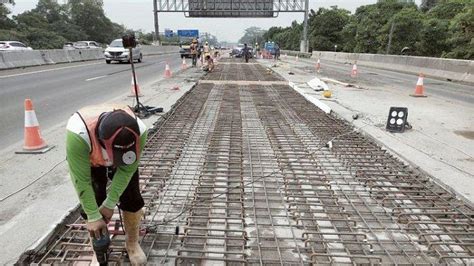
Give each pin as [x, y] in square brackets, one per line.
[58, 91]
[369, 76]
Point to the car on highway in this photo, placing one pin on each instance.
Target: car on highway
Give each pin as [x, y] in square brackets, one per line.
[116, 52]
[69, 46]
[13, 46]
[185, 49]
[86, 45]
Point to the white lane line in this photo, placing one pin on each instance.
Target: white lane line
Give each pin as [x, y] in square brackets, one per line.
[99, 77]
[46, 70]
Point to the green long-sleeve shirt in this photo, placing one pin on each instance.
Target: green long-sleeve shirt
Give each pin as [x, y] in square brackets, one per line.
[78, 151]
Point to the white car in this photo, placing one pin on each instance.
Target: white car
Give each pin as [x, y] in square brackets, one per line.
[116, 52]
[13, 46]
[86, 45]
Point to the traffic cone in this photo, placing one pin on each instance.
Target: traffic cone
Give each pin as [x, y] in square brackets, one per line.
[297, 58]
[167, 71]
[318, 65]
[33, 142]
[354, 70]
[132, 89]
[420, 88]
[184, 66]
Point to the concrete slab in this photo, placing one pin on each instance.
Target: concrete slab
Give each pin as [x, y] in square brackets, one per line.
[35, 191]
[441, 142]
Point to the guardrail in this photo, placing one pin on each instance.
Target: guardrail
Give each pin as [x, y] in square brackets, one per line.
[17, 59]
[449, 69]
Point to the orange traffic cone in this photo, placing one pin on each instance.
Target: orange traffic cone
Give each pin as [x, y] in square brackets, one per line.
[420, 88]
[132, 89]
[318, 65]
[184, 66]
[167, 71]
[354, 70]
[33, 142]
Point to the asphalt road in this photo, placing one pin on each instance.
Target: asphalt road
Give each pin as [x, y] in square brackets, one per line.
[58, 91]
[379, 77]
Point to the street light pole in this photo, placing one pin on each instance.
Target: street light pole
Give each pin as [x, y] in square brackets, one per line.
[304, 46]
[155, 13]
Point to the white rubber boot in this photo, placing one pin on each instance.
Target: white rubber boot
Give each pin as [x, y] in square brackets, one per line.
[131, 222]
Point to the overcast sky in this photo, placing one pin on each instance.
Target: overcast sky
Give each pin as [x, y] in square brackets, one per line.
[138, 14]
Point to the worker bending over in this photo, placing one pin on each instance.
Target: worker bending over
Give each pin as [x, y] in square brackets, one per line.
[105, 142]
[209, 67]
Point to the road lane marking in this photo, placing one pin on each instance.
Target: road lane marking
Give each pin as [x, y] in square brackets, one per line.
[46, 70]
[99, 77]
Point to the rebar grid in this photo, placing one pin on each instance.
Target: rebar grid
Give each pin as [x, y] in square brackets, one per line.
[231, 70]
[244, 171]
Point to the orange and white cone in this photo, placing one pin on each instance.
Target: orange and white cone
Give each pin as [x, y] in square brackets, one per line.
[33, 141]
[420, 88]
[354, 71]
[167, 71]
[132, 89]
[184, 66]
[318, 66]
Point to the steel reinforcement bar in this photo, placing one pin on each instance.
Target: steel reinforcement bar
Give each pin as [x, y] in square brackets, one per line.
[240, 174]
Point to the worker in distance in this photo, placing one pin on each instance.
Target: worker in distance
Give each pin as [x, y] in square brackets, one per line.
[105, 142]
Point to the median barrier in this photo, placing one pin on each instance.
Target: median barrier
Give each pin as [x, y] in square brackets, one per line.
[55, 56]
[15, 59]
[296, 53]
[452, 69]
[22, 58]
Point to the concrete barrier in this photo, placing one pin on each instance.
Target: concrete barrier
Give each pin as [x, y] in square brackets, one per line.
[156, 50]
[22, 59]
[294, 53]
[452, 69]
[16, 59]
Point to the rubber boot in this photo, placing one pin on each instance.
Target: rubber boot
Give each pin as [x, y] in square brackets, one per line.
[131, 222]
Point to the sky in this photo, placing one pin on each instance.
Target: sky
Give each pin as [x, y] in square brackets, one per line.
[138, 14]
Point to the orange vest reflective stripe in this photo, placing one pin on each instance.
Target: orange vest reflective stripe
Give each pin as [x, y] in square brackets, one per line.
[90, 117]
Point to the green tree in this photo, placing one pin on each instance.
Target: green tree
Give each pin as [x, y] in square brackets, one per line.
[433, 38]
[370, 21]
[326, 27]
[462, 32]
[405, 33]
[5, 22]
[252, 35]
[90, 17]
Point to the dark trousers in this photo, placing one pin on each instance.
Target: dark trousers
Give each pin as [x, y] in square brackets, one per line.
[131, 199]
[194, 56]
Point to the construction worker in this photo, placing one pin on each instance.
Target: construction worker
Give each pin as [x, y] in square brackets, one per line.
[194, 51]
[105, 142]
[246, 53]
[207, 49]
[209, 67]
[257, 50]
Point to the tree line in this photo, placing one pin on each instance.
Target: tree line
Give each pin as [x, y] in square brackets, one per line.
[51, 24]
[442, 28]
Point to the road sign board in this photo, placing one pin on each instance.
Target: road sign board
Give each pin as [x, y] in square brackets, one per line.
[188, 33]
[168, 33]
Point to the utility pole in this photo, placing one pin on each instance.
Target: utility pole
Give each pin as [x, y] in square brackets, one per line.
[157, 29]
[304, 45]
[389, 45]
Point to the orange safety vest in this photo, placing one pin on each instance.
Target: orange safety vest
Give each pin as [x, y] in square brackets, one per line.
[90, 117]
